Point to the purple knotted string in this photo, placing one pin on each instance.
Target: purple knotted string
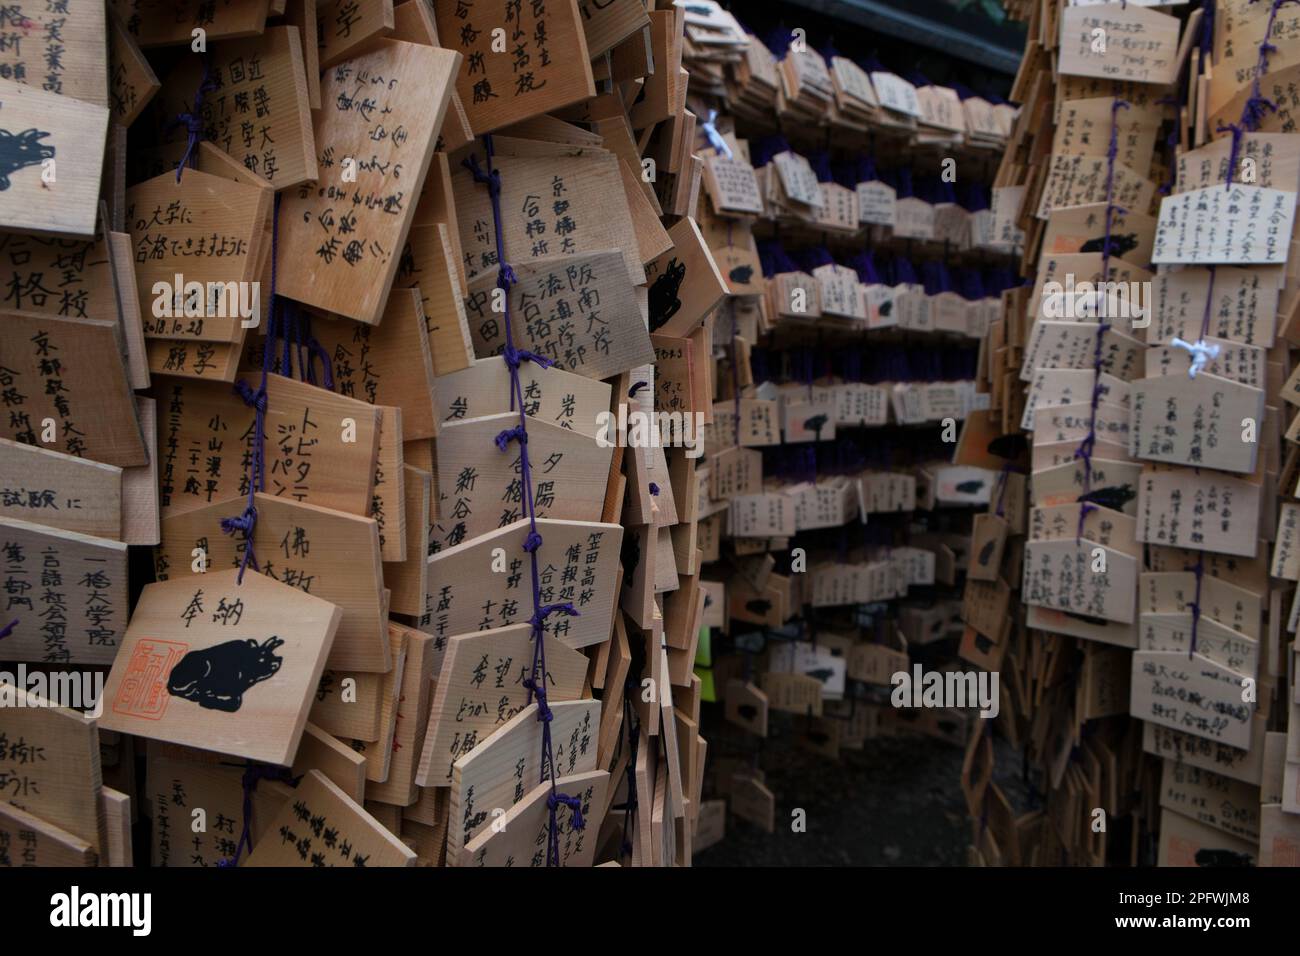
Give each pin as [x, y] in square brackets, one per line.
[536, 683]
[256, 400]
[1198, 569]
[193, 120]
[253, 773]
[8, 628]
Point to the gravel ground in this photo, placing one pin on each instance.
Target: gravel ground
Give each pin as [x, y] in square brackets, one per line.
[896, 802]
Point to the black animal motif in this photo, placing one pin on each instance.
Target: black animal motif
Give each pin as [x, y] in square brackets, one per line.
[986, 552]
[1114, 497]
[970, 487]
[20, 151]
[1208, 857]
[1086, 618]
[818, 737]
[886, 307]
[816, 423]
[630, 556]
[663, 294]
[217, 677]
[748, 711]
[1119, 244]
[758, 605]
[742, 274]
[823, 674]
[1009, 446]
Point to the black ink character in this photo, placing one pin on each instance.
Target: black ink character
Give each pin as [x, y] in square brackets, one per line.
[217, 677]
[986, 552]
[743, 275]
[1114, 497]
[1119, 245]
[663, 294]
[1208, 857]
[19, 152]
[629, 556]
[970, 487]
[758, 606]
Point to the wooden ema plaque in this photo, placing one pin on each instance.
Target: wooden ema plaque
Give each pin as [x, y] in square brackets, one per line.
[67, 592]
[500, 772]
[204, 429]
[481, 487]
[522, 840]
[60, 491]
[221, 666]
[66, 390]
[51, 768]
[466, 594]
[320, 825]
[374, 138]
[329, 554]
[480, 688]
[49, 180]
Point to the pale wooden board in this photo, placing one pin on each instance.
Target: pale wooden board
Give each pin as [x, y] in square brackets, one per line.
[70, 132]
[207, 417]
[61, 491]
[335, 759]
[244, 621]
[595, 218]
[429, 265]
[82, 619]
[388, 497]
[259, 113]
[316, 233]
[480, 687]
[171, 22]
[56, 771]
[523, 839]
[408, 580]
[174, 228]
[348, 28]
[349, 836]
[30, 841]
[132, 82]
[551, 395]
[388, 364]
[98, 415]
[140, 518]
[480, 489]
[378, 750]
[72, 278]
[501, 771]
[180, 781]
[60, 48]
[496, 91]
[461, 581]
[329, 554]
[349, 710]
[117, 827]
[579, 311]
[128, 304]
[412, 720]
[605, 25]
[303, 15]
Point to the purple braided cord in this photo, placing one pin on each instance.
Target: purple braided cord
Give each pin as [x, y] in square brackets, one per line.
[536, 683]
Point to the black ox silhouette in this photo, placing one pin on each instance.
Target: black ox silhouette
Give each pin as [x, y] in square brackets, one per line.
[20, 151]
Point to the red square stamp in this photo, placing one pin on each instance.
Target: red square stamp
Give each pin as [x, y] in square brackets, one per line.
[144, 685]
